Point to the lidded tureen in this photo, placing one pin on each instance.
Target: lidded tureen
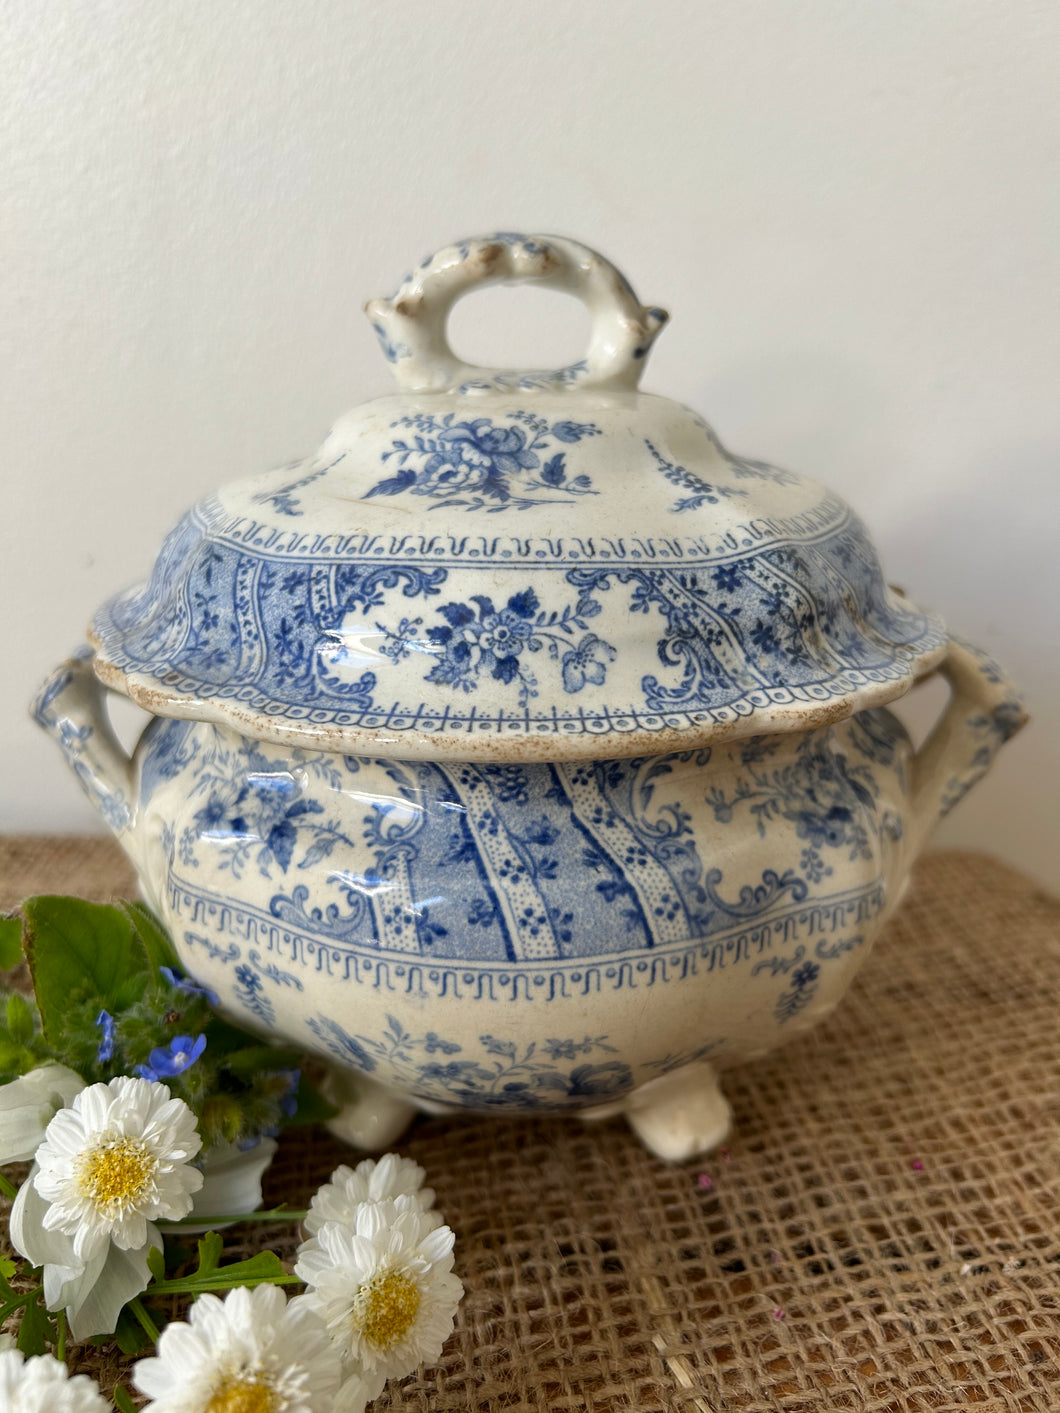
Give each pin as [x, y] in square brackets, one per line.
[524, 748]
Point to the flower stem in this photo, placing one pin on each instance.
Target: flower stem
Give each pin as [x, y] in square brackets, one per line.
[60, 1336]
[8, 1188]
[149, 1327]
[218, 1279]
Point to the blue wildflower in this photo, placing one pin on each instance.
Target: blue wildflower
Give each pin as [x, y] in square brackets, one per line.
[169, 1060]
[105, 1053]
[180, 982]
[289, 1098]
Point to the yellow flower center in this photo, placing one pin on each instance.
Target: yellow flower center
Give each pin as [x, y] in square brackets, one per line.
[242, 1395]
[116, 1174]
[386, 1308]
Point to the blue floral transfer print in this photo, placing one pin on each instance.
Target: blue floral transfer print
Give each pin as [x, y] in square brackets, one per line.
[393, 351]
[78, 746]
[829, 798]
[286, 632]
[803, 985]
[483, 465]
[249, 991]
[555, 1074]
[528, 382]
[539, 861]
[702, 492]
[257, 812]
[283, 499]
[480, 641]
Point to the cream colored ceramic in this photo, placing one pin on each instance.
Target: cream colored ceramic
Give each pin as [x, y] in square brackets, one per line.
[524, 749]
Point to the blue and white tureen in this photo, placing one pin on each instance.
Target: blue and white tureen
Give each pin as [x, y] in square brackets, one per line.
[523, 749]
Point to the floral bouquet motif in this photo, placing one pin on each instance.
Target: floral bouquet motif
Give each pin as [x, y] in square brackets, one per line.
[477, 639]
[480, 464]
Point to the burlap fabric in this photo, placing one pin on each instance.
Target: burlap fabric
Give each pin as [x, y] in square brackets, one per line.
[882, 1233]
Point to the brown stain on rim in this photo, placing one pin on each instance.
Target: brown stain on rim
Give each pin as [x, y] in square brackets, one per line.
[491, 746]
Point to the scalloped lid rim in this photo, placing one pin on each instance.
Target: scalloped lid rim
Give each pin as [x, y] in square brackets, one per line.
[464, 742]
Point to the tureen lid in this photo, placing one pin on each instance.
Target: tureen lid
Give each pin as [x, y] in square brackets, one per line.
[507, 563]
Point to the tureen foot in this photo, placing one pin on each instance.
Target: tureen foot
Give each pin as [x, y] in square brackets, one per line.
[680, 1115]
[369, 1116]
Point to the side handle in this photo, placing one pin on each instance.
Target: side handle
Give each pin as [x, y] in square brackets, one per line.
[70, 706]
[984, 711]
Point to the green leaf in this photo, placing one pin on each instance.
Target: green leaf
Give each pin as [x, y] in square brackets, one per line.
[178, 1253]
[156, 1264]
[8, 1307]
[11, 1058]
[8, 1267]
[122, 1400]
[37, 1329]
[226, 1039]
[19, 1019]
[156, 941]
[129, 1334]
[148, 1323]
[312, 1108]
[265, 1267]
[261, 1059]
[221, 1117]
[78, 948]
[10, 941]
[210, 1249]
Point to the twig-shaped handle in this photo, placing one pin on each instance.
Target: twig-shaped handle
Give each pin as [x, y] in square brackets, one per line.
[411, 324]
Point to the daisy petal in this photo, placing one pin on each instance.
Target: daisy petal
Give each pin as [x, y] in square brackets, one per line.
[94, 1308]
[42, 1385]
[383, 1285]
[253, 1345]
[28, 1234]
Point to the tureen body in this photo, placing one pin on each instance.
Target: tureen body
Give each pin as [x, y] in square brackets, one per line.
[524, 749]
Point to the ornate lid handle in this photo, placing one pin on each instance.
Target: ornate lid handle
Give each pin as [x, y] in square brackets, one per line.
[411, 324]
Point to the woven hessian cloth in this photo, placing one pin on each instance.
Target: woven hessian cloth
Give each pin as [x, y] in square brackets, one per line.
[883, 1232]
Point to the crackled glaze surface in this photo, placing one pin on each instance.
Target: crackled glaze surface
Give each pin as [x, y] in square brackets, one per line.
[524, 748]
[490, 564]
[529, 630]
[530, 935]
[445, 927]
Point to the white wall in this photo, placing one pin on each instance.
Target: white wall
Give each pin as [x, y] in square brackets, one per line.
[850, 207]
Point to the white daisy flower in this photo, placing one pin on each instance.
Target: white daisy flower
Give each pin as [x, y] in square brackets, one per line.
[42, 1385]
[110, 1164]
[384, 1284]
[116, 1159]
[370, 1181]
[250, 1353]
[28, 1105]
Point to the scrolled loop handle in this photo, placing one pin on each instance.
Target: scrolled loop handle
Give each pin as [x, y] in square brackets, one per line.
[411, 323]
[70, 706]
[984, 711]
